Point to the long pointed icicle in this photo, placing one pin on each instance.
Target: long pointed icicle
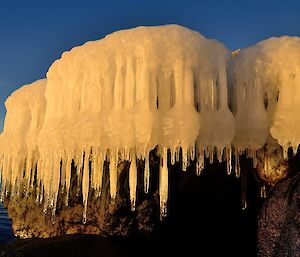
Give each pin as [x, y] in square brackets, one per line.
[133, 180]
[237, 168]
[68, 179]
[55, 185]
[63, 173]
[85, 185]
[200, 161]
[28, 173]
[99, 174]
[147, 175]
[163, 185]
[113, 175]
[228, 160]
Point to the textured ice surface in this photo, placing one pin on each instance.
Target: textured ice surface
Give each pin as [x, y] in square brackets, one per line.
[266, 94]
[18, 142]
[119, 97]
[135, 89]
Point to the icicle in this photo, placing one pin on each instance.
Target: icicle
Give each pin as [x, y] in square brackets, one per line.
[219, 154]
[237, 169]
[54, 207]
[122, 155]
[99, 173]
[63, 174]
[28, 173]
[79, 171]
[133, 180]
[263, 191]
[172, 153]
[163, 185]
[93, 169]
[200, 162]
[55, 185]
[16, 175]
[295, 149]
[8, 175]
[68, 178]
[228, 160]
[46, 198]
[113, 175]
[211, 154]
[38, 195]
[244, 202]
[40, 176]
[34, 171]
[177, 154]
[266, 165]
[184, 159]
[85, 185]
[207, 152]
[96, 172]
[2, 194]
[47, 180]
[147, 174]
[192, 153]
[41, 195]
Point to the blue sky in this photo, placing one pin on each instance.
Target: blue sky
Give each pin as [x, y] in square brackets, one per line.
[35, 33]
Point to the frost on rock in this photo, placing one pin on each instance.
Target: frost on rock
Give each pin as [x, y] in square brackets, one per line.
[118, 98]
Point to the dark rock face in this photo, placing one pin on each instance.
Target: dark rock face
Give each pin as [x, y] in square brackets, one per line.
[78, 246]
[279, 220]
[104, 217]
[205, 217]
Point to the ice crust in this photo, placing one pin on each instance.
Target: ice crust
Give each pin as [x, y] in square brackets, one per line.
[118, 98]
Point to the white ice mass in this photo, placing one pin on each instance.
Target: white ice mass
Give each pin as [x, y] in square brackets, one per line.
[120, 97]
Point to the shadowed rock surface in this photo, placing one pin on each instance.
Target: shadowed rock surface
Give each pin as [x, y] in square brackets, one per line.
[279, 220]
[71, 245]
[104, 217]
[205, 218]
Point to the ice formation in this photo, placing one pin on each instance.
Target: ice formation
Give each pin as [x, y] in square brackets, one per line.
[266, 98]
[118, 98]
[18, 142]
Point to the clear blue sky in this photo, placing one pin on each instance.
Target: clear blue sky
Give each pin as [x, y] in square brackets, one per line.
[35, 33]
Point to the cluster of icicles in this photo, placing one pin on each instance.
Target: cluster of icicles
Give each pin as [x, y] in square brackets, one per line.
[117, 98]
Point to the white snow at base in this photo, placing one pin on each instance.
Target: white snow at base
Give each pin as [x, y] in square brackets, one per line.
[118, 98]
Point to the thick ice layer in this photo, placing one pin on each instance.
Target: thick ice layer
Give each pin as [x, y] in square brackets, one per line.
[119, 97]
[116, 99]
[266, 94]
[136, 89]
[18, 142]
